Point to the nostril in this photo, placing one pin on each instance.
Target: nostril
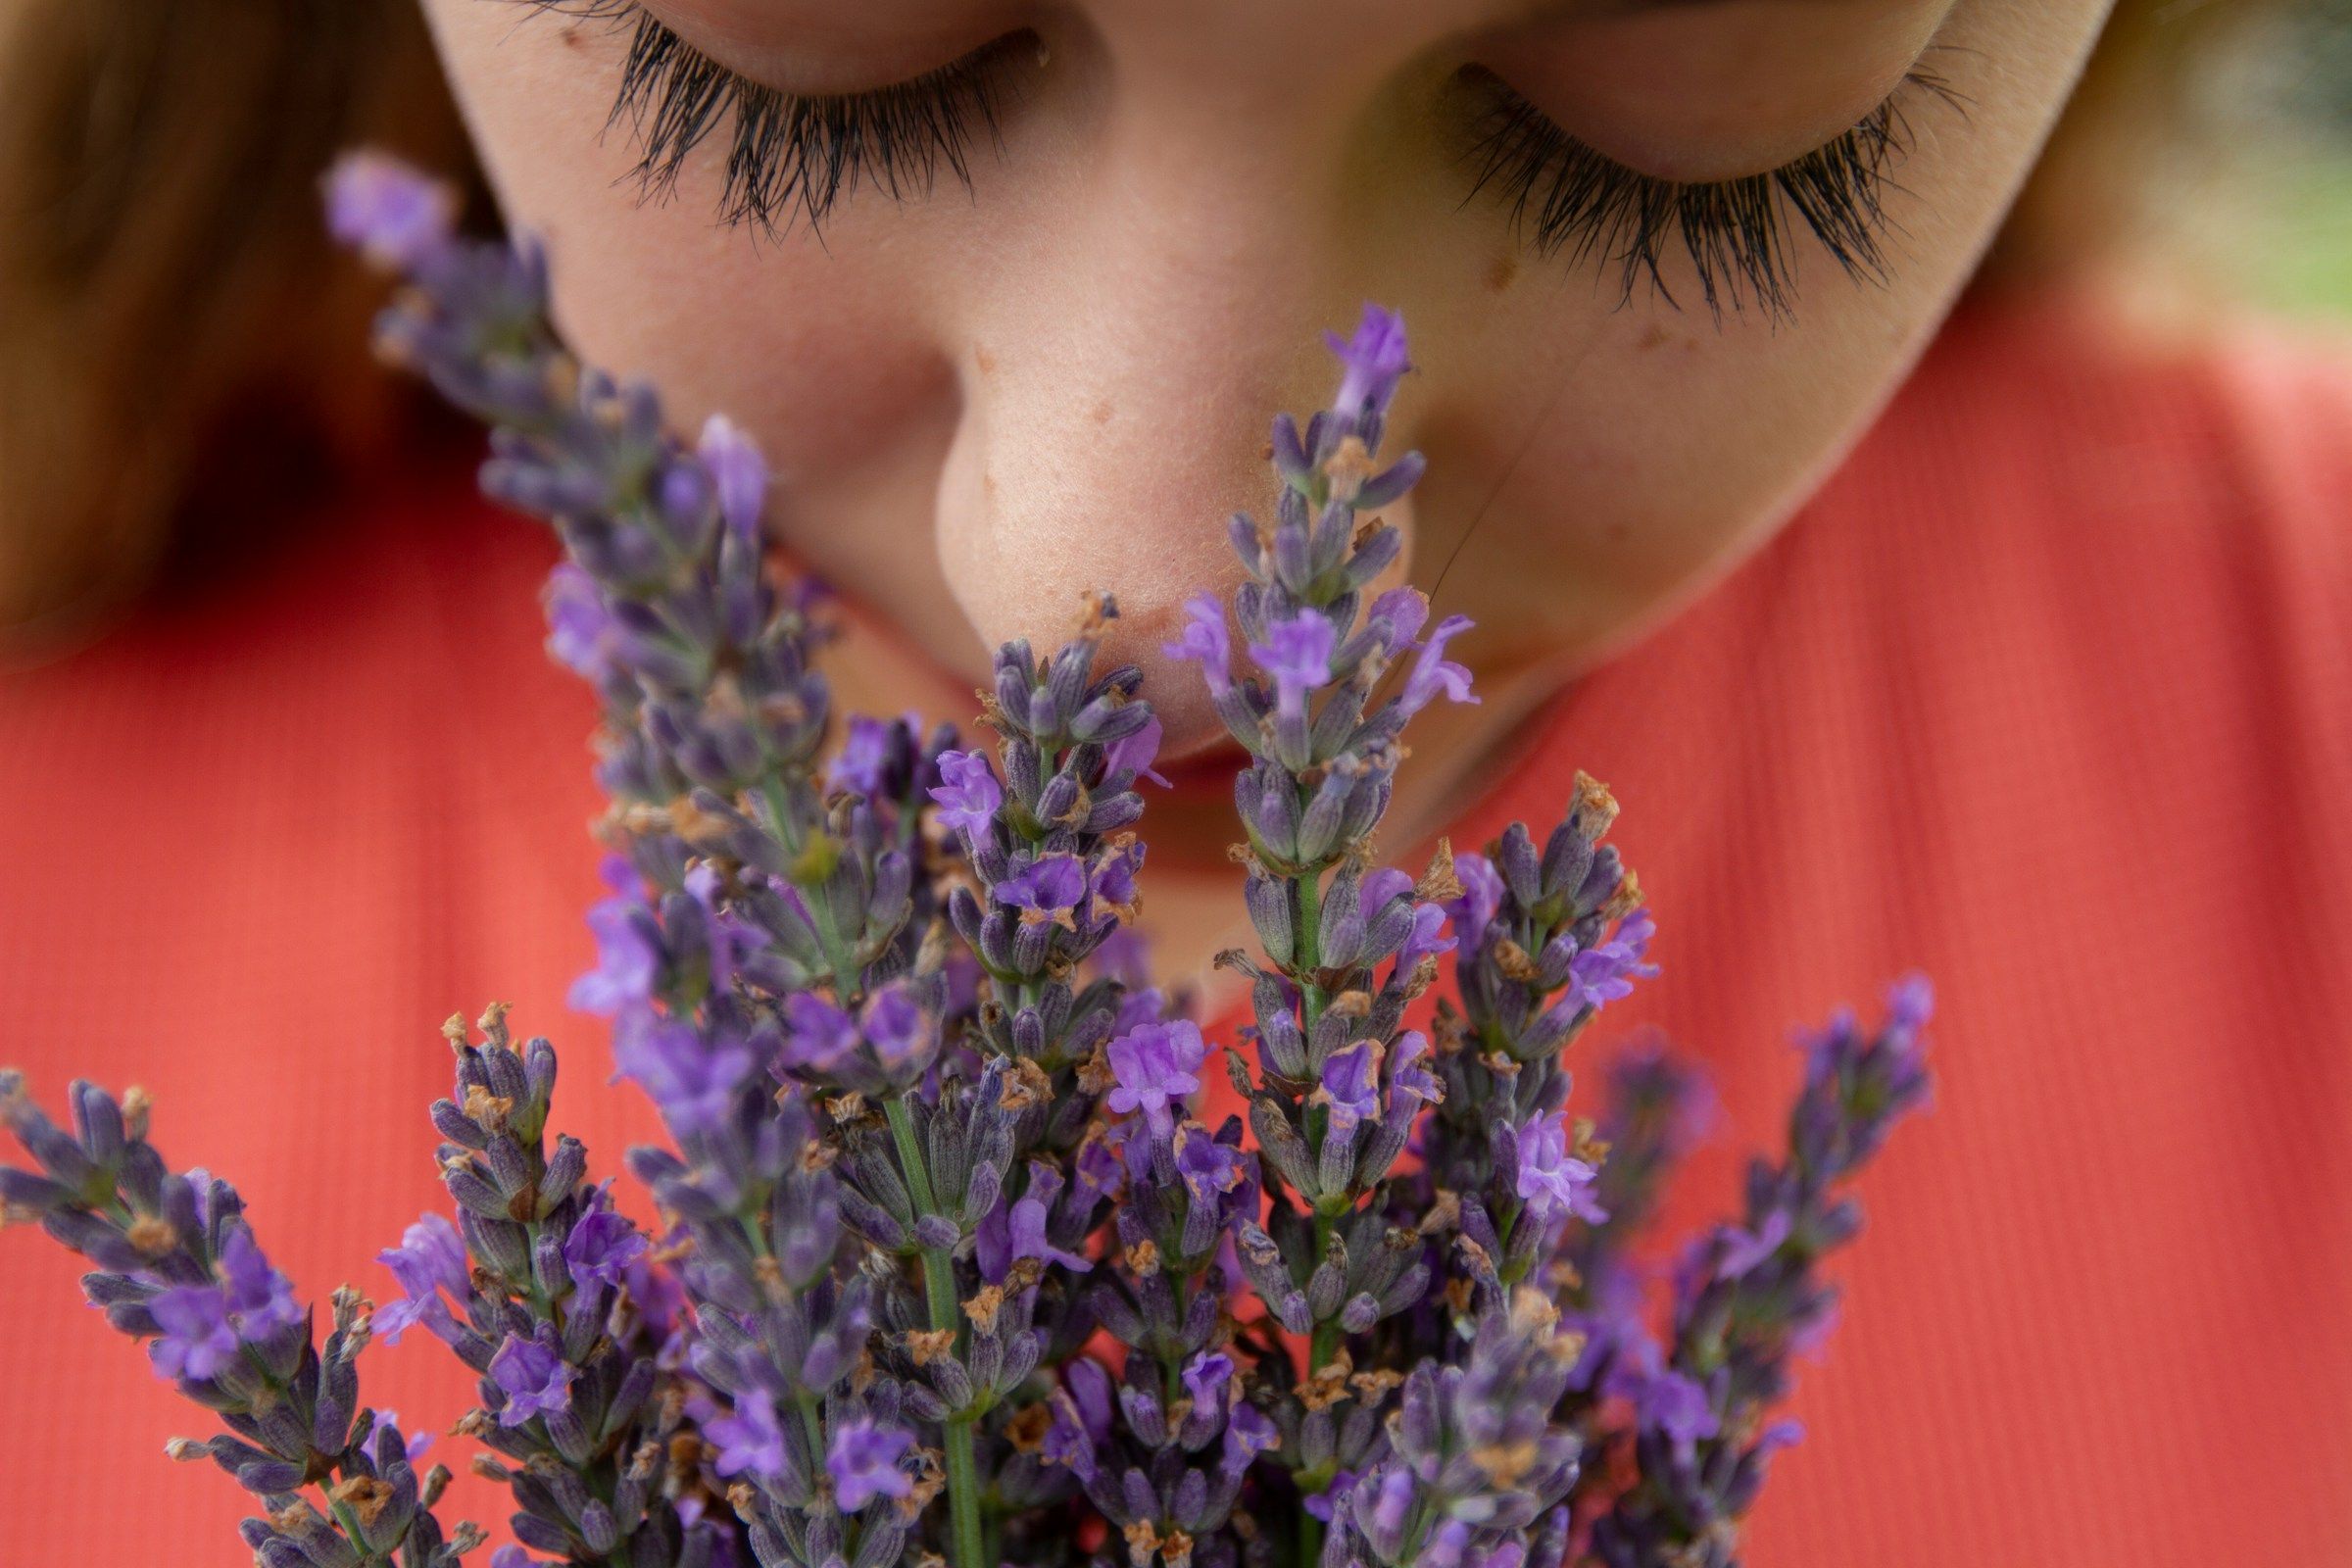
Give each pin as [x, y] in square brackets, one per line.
[1189, 724]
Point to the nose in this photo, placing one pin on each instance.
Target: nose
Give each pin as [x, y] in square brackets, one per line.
[1118, 379]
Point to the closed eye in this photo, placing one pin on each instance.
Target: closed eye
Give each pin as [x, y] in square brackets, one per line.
[794, 158]
[1739, 236]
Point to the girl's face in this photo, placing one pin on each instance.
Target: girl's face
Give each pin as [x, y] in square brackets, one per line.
[1009, 289]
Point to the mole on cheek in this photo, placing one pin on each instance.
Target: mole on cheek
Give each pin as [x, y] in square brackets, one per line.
[1503, 273]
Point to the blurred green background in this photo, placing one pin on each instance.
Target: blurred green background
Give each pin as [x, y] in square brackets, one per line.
[2277, 226]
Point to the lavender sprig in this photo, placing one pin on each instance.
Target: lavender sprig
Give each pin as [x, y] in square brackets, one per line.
[1341, 1082]
[793, 930]
[1476, 1470]
[177, 1265]
[1749, 1296]
[1545, 938]
[565, 1319]
[762, 889]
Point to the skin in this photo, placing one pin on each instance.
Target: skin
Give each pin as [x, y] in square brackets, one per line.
[982, 405]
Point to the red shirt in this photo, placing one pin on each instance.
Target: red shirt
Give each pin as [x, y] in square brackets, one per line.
[2048, 693]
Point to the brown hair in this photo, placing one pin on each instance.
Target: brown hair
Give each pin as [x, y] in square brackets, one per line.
[174, 325]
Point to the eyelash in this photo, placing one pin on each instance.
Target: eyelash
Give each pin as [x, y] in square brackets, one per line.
[794, 157]
[788, 156]
[1568, 198]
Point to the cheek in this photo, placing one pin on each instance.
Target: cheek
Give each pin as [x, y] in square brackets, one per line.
[1616, 463]
[824, 355]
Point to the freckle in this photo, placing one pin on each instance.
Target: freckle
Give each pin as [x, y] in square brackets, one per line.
[574, 36]
[1654, 336]
[985, 360]
[988, 482]
[1503, 273]
[1100, 412]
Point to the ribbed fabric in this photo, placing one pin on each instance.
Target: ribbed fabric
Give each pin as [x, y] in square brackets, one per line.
[2048, 693]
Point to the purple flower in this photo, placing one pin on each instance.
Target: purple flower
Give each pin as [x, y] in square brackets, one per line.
[628, 953]
[261, 1299]
[414, 1447]
[819, 1037]
[1482, 893]
[1205, 642]
[1333, 1492]
[1426, 939]
[513, 1557]
[1744, 1251]
[692, 1081]
[1081, 1410]
[579, 628]
[1125, 955]
[1910, 1004]
[731, 939]
[1375, 361]
[1206, 1376]
[1392, 1501]
[1134, 753]
[1607, 970]
[429, 1260]
[1296, 656]
[1407, 1075]
[660, 1298]
[1048, 885]
[1025, 1236]
[1676, 1405]
[1380, 887]
[748, 1439]
[198, 1340]
[1206, 1166]
[895, 1025]
[395, 217]
[601, 1246]
[1248, 1433]
[1551, 1181]
[738, 472]
[1350, 1084]
[863, 757]
[1017, 1230]
[1154, 1069]
[1140, 1005]
[204, 1328]
[968, 793]
[864, 1463]
[1115, 875]
[200, 1188]
[1405, 610]
[1434, 674]
[534, 1375]
[1100, 1171]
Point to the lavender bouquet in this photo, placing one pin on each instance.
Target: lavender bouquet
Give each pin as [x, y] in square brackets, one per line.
[948, 1269]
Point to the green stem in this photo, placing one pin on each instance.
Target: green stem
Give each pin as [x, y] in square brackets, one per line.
[963, 1496]
[1307, 946]
[910, 1154]
[939, 1295]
